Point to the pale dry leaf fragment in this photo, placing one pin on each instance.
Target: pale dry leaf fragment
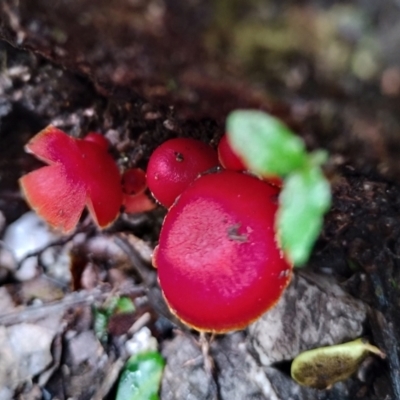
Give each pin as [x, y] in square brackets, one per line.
[322, 367]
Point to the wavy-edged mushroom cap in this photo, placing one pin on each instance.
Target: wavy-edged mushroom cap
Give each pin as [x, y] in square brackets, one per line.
[218, 263]
[80, 173]
[175, 164]
[103, 183]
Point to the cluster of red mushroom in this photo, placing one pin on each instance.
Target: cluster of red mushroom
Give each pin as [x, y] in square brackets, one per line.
[218, 261]
[80, 172]
[219, 265]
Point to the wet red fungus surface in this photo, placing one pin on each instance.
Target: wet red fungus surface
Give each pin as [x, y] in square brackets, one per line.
[218, 263]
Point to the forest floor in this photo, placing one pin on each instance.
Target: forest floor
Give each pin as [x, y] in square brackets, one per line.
[55, 290]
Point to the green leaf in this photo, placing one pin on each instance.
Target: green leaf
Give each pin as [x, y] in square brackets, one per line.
[101, 315]
[141, 377]
[124, 305]
[269, 148]
[266, 145]
[321, 368]
[100, 323]
[304, 199]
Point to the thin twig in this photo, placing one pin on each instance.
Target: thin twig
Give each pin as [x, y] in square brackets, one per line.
[32, 313]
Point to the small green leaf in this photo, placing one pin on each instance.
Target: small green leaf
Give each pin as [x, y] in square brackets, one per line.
[124, 305]
[141, 377]
[100, 323]
[265, 144]
[101, 315]
[304, 199]
[321, 368]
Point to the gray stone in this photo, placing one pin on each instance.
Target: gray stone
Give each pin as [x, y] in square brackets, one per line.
[312, 312]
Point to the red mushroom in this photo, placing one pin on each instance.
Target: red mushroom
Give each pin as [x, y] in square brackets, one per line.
[79, 173]
[175, 164]
[218, 262]
[133, 181]
[97, 138]
[227, 157]
[138, 203]
[133, 187]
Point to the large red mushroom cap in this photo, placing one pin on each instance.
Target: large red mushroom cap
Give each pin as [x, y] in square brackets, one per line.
[80, 173]
[218, 262]
[175, 164]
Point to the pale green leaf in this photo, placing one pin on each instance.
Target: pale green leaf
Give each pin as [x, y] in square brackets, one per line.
[304, 199]
[267, 146]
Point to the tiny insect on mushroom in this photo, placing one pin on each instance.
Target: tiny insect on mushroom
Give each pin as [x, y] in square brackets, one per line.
[175, 164]
[218, 262]
[80, 172]
[134, 198]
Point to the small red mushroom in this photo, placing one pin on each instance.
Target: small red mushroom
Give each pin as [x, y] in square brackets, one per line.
[133, 187]
[138, 203]
[219, 265]
[79, 173]
[133, 181]
[99, 139]
[175, 164]
[227, 157]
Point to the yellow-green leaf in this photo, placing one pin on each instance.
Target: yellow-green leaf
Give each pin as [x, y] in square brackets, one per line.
[321, 368]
